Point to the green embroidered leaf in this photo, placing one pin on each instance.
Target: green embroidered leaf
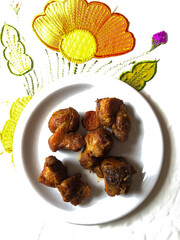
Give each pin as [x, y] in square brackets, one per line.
[18, 63]
[140, 73]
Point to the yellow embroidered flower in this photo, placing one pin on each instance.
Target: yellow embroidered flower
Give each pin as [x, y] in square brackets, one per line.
[82, 30]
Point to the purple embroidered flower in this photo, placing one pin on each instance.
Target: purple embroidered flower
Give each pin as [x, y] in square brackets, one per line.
[159, 38]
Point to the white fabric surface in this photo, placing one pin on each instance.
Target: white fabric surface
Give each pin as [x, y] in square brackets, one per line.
[22, 215]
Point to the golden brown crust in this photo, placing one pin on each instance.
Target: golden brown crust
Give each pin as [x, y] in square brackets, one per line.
[71, 141]
[98, 171]
[106, 109]
[117, 175]
[99, 142]
[90, 121]
[87, 161]
[68, 115]
[73, 190]
[121, 127]
[64, 123]
[53, 172]
[116, 171]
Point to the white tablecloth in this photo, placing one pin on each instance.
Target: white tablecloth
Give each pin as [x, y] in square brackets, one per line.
[23, 214]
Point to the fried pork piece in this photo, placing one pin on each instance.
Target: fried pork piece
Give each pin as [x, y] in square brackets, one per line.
[87, 161]
[73, 190]
[117, 175]
[98, 171]
[72, 141]
[99, 142]
[90, 121]
[64, 136]
[121, 126]
[91, 163]
[106, 110]
[68, 115]
[53, 172]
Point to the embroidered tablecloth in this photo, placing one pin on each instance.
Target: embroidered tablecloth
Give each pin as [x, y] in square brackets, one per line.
[135, 42]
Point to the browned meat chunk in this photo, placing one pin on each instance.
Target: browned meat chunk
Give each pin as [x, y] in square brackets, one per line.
[87, 161]
[121, 126]
[72, 141]
[69, 116]
[117, 175]
[98, 171]
[73, 190]
[53, 172]
[91, 163]
[91, 121]
[98, 142]
[64, 123]
[106, 109]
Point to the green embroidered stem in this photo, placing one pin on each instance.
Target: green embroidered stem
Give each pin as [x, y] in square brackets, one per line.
[69, 67]
[63, 67]
[42, 80]
[27, 86]
[75, 68]
[125, 63]
[57, 56]
[114, 67]
[37, 80]
[50, 67]
[83, 67]
[100, 68]
[32, 84]
[123, 66]
[92, 66]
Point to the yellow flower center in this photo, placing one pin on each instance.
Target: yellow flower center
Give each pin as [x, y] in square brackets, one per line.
[78, 46]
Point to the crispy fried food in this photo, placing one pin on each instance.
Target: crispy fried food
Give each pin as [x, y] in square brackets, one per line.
[106, 110]
[87, 161]
[110, 112]
[121, 126]
[72, 141]
[99, 142]
[53, 172]
[90, 121]
[117, 175]
[73, 190]
[68, 115]
[64, 123]
[91, 163]
[98, 171]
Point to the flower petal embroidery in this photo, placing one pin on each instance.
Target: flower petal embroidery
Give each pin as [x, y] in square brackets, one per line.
[62, 21]
[76, 12]
[51, 25]
[97, 15]
[113, 38]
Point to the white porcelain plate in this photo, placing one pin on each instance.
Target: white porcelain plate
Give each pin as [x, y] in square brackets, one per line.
[144, 148]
